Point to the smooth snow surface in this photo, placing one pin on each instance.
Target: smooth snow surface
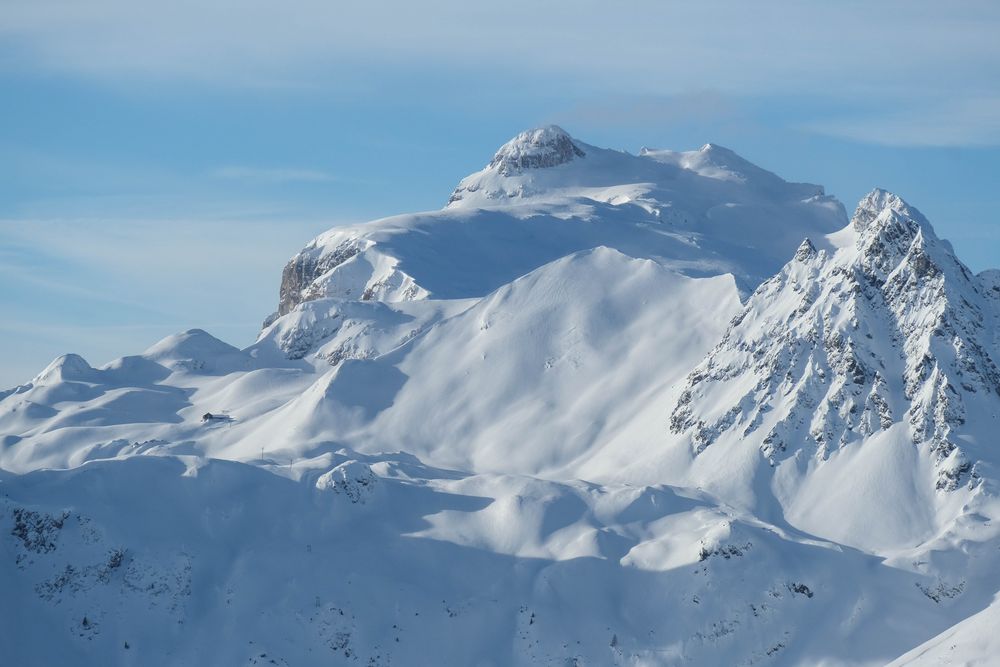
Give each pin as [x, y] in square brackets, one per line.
[974, 642]
[601, 409]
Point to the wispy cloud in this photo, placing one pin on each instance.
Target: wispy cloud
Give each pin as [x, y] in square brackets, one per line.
[889, 52]
[670, 47]
[106, 288]
[190, 254]
[280, 176]
[625, 110]
[972, 122]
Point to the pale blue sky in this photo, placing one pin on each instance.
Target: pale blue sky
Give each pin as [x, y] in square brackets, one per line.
[159, 162]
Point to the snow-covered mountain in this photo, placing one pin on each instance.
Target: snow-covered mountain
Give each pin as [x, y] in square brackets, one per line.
[545, 195]
[879, 351]
[601, 408]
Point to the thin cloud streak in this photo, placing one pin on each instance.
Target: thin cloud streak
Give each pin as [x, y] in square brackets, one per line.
[973, 122]
[273, 176]
[891, 53]
[700, 106]
[104, 289]
[770, 40]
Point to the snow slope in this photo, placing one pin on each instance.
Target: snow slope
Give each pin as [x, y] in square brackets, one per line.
[568, 353]
[601, 409]
[461, 382]
[343, 559]
[972, 643]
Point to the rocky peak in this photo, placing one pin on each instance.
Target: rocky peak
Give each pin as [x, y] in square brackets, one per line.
[886, 208]
[539, 148]
[805, 252]
[835, 347]
[300, 272]
[895, 241]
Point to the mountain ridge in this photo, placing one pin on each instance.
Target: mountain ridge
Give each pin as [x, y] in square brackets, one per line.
[601, 408]
[684, 208]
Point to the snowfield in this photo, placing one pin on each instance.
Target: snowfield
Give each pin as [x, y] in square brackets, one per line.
[600, 409]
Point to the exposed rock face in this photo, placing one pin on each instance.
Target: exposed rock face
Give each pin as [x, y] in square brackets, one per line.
[350, 267]
[541, 148]
[352, 479]
[535, 149]
[302, 270]
[891, 328]
[302, 277]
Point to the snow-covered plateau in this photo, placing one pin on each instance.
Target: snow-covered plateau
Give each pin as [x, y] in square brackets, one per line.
[600, 409]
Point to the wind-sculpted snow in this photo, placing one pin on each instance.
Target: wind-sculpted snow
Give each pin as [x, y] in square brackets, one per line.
[167, 561]
[601, 409]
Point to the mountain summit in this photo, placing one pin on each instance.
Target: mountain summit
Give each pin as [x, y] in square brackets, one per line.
[545, 195]
[535, 149]
[600, 409]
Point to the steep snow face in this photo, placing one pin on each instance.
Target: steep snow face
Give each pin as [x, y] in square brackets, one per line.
[843, 353]
[545, 195]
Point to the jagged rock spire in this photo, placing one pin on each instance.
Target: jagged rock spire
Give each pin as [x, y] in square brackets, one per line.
[890, 330]
[805, 252]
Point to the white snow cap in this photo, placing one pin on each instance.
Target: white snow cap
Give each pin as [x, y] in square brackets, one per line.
[539, 148]
[880, 201]
[190, 344]
[66, 368]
